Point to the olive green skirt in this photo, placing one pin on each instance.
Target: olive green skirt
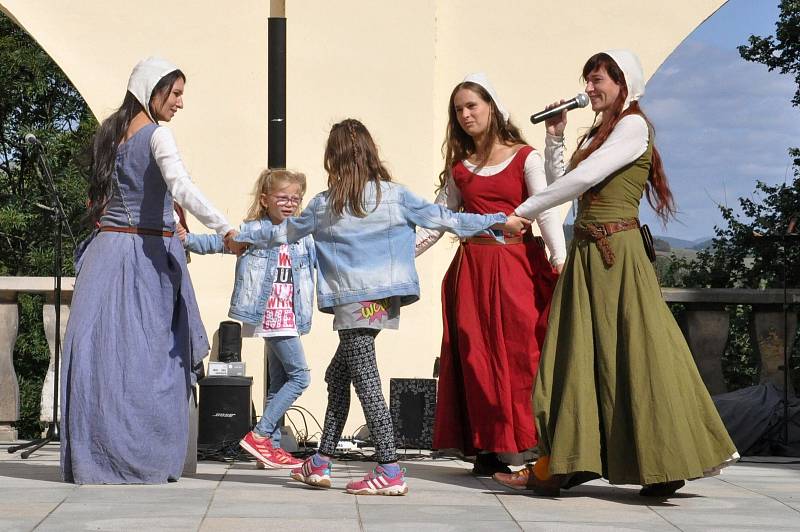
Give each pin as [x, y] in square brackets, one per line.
[618, 393]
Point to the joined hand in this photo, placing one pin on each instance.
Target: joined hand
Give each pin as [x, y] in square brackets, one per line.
[232, 245]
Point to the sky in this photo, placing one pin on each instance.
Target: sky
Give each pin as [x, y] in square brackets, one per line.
[721, 123]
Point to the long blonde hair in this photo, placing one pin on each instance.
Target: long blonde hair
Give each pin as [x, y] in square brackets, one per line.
[352, 161]
[268, 181]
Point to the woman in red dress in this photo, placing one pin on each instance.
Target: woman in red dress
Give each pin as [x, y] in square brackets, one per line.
[495, 297]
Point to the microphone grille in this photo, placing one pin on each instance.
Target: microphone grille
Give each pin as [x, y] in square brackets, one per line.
[582, 99]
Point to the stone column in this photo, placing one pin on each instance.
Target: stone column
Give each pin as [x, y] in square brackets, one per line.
[768, 338]
[49, 319]
[705, 328]
[9, 388]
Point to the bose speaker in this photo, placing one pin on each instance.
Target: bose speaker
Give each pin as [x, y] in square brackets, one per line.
[225, 413]
[412, 404]
[230, 341]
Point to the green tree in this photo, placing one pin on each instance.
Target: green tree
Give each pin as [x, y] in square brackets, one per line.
[738, 255]
[36, 97]
[781, 51]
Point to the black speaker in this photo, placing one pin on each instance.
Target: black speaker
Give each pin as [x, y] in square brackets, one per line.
[230, 341]
[412, 403]
[225, 413]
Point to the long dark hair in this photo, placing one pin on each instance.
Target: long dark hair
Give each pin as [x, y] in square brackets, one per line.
[107, 139]
[458, 145]
[657, 190]
[352, 161]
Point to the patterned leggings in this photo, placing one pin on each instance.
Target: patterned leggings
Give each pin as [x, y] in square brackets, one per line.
[355, 362]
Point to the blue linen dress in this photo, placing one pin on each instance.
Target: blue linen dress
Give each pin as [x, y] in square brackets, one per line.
[133, 337]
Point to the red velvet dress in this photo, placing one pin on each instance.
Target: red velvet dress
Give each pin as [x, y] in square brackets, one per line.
[495, 301]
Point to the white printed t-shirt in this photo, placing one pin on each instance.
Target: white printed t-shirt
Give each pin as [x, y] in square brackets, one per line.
[279, 318]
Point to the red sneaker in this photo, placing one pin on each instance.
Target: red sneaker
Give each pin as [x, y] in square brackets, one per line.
[288, 459]
[262, 450]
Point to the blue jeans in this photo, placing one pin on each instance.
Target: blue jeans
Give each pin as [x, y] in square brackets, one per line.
[288, 378]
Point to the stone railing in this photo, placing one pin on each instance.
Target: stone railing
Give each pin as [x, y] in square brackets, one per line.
[706, 326]
[10, 288]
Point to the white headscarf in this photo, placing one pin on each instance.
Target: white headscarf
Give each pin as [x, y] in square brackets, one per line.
[481, 79]
[144, 78]
[628, 62]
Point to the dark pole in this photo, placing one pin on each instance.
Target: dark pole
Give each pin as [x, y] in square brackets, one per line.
[276, 92]
[276, 110]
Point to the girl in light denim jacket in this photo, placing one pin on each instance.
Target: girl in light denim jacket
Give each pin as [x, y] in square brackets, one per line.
[363, 228]
[273, 296]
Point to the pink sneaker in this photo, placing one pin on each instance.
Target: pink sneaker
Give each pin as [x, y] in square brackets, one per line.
[308, 473]
[377, 482]
[263, 451]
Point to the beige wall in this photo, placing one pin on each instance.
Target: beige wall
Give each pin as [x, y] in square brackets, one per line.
[391, 64]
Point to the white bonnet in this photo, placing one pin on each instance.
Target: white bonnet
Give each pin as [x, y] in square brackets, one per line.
[628, 62]
[481, 79]
[144, 78]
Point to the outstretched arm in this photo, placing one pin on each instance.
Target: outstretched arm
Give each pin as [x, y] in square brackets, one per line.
[624, 145]
[449, 196]
[424, 214]
[203, 244]
[179, 183]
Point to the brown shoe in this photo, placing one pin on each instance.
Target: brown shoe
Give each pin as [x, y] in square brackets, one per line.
[546, 488]
[517, 479]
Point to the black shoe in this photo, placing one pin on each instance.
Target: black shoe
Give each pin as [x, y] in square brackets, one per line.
[661, 489]
[487, 464]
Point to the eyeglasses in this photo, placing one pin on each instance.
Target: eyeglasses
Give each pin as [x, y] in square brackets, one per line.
[288, 200]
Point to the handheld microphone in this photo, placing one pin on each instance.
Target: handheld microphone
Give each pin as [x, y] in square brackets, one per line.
[581, 100]
[31, 139]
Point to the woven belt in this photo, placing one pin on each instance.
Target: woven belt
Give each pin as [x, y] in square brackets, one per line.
[135, 231]
[599, 234]
[517, 239]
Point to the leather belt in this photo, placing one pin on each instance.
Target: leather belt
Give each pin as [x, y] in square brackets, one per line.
[135, 231]
[599, 234]
[516, 239]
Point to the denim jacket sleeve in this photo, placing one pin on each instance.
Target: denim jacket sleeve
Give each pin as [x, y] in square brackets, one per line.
[312, 251]
[291, 230]
[203, 244]
[433, 216]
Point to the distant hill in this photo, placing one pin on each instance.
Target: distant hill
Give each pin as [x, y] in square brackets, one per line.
[703, 243]
[678, 243]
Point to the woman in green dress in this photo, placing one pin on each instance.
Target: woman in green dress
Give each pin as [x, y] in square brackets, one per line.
[618, 394]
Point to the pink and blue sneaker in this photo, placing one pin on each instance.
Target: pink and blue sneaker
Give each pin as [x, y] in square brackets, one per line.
[314, 472]
[383, 480]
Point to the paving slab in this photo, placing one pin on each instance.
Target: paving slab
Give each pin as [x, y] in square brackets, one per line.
[24, 515]
[757, 495]
[216, 524]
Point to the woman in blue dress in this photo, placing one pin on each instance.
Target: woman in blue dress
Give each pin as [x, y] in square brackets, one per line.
[134, 336]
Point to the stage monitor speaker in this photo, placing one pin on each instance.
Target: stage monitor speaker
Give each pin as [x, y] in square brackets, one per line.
[412, 403]
[225, 411]
[230, 341]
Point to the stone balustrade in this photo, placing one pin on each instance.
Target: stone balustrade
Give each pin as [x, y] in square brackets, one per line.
[10, 288]
[706, 324]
